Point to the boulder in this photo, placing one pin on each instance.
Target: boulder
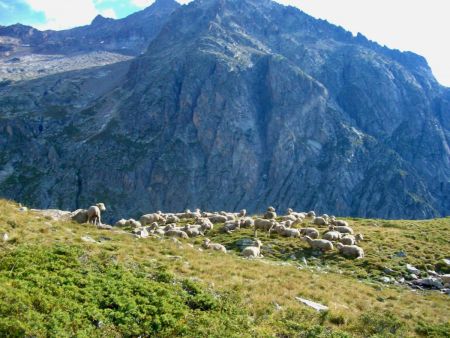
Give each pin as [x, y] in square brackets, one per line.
[79, 216]
[412, 269]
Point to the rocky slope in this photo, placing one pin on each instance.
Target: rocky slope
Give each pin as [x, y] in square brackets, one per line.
[235, 104]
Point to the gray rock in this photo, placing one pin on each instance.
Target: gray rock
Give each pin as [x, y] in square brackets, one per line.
[316, 306]
[5, 237]
[413, 276]
[430, 282]
[386, 279]
[446, 261]
[79, 216]
[411, 269]
[400, 254]
[388, 271]
[254, 115]
[141, 232]
[445, 278]
[88, 239]
[244, 242]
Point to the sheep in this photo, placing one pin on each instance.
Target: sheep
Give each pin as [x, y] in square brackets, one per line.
[247, 222]
[242, 213]
[320, 221]
[289, 218]
[351, 240]
[342, 229]
[351, 251]
[121, 223]
[230, 226]
[128, 223]
[270, 215]
[320, 244]
[298, 215]
[176, 233]
[338, 222]
[287, 232]
[193, 230]
[271, 209]
[264, 224]
[171, 218]
[218, 218]
[332, 236]
[311, 214]
[253, 251]
[205, 223]
[214, 246]
[94, 213]
[310, 232]
[150, 218]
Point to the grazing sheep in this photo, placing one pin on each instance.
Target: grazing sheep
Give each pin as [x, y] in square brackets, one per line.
[339, 223]
[264, 224]
[176, 233]
[253, 251]
[230, 226]
[150, 218]
[171, 218]
[298, 215]
[342, 229]
[247, 222]
[193, 230]
[218, 218]
[320, 221]
[287, 232]
[352, 251]
[310, 232]
[270, 215]
[214, 246]
[332, 236]
[319, 244]
[205, 223]
[351, 240]
[289, 218]
[94, 213]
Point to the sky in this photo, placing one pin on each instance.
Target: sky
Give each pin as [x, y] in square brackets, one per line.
[420, 26]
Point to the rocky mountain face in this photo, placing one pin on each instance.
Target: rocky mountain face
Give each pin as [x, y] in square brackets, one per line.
[235, 104]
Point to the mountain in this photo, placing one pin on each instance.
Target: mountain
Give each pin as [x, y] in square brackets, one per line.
[235, 104]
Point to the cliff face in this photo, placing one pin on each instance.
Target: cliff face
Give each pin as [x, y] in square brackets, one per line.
[235, 104]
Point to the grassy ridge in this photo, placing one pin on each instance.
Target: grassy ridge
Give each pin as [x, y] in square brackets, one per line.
[54, 284]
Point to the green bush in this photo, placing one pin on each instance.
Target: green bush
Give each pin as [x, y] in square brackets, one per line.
[61, 291]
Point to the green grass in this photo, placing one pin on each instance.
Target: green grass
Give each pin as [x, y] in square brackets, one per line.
[54, 284]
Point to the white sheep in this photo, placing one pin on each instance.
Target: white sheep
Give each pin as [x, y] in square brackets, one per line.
[351, 240]
[193, 230]
[332, 235]
[231, 226]
[242, 213]
[338, 222]
[352, 251]
[176, 233]
[342, 229]
[247, 222]
[310, 232]
[311, 214]
[320, 221]
[218, 218]
[287, 232]
[264, 224]
[207, 244]
[253, 251]
[94, 213]
[289, 218]
[205, 223]
[320, 244]
[150, 218]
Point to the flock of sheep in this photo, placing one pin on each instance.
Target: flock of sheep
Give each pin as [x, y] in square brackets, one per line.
[339, 234]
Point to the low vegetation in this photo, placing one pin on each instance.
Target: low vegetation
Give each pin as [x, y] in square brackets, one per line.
[52, 283]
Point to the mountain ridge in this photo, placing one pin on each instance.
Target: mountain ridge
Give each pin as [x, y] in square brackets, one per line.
[242, 104]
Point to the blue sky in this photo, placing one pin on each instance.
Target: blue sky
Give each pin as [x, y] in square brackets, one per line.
[421, 26]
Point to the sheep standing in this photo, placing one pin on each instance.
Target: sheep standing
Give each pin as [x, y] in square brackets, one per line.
[319, 244]
[253, 251]
[264, 224]
[270, 213]
[94, 213]
[214, 246]
[352, 251]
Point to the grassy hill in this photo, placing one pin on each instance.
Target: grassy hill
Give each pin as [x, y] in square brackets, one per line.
[54, 283]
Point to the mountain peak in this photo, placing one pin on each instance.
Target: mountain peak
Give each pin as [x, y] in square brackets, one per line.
[100, 19]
